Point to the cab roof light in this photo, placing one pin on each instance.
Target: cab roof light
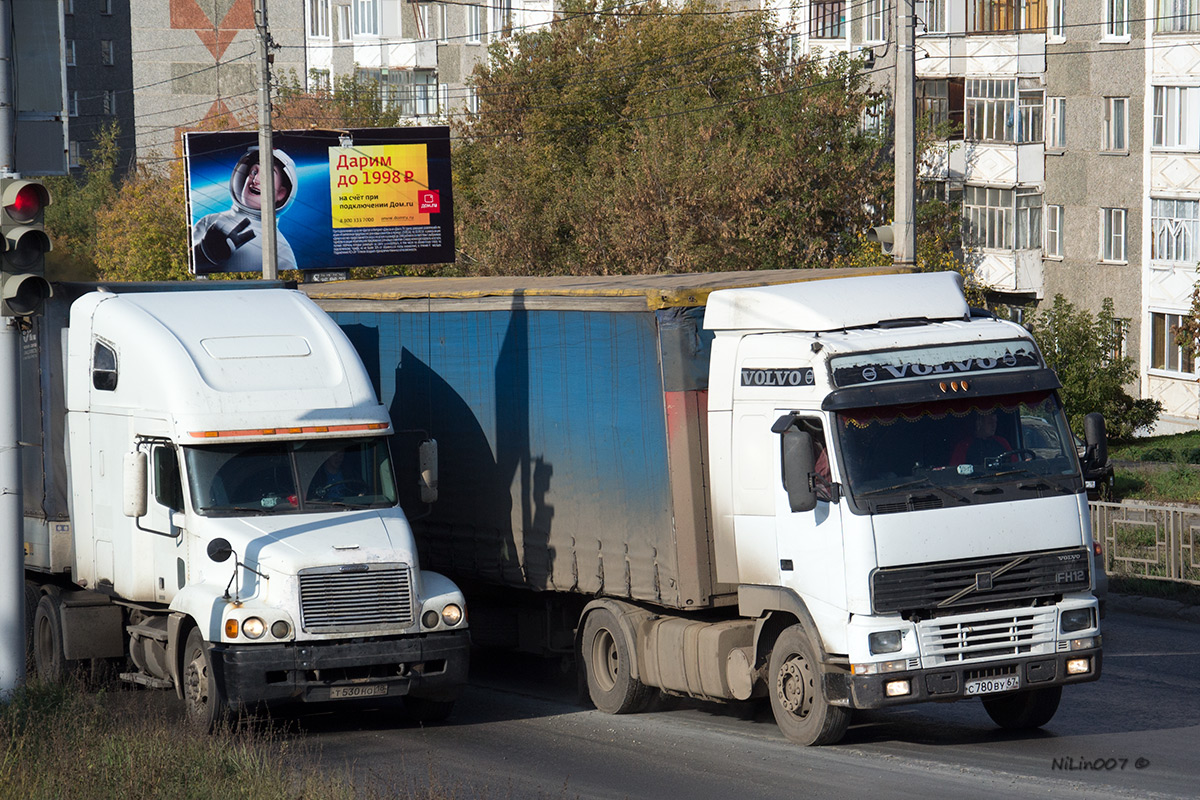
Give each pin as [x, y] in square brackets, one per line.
[360, 426]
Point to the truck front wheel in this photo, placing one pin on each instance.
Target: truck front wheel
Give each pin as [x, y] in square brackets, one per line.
[607, 662]
[797, 696]
[202, 693]
[1023, 710]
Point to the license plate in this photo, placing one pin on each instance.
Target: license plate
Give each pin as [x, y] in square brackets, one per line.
[993, 685]
[346, 692]
[1089, 484]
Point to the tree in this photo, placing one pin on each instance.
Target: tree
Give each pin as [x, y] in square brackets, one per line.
[656, 138]
[349, 103]
[71, 218]
[144, 234]
[1085, 352]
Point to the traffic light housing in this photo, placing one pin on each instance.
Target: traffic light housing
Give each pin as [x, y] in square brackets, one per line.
[23, 284]
[885, 235]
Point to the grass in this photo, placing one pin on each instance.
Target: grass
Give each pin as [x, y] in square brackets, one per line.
[1158, 469]
[61, 741]
[1167, 590]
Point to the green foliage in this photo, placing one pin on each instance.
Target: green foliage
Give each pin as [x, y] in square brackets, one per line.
[349, 103]
[143, 235]
[1082, 350]
[1180, 448]
[651, 142]
[71, 218]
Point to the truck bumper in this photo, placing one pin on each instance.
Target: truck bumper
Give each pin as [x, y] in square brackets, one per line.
[948, 682]
[432, 665]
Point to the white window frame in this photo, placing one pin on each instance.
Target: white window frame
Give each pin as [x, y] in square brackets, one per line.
[990, 110]
[502, 19]
[875, 14]
[319, 13]
[366, 18]
[1056, 29]
[345, 24]
[931, 16]
[423, 21]
[1056, 123]
[443, 23]
[72, 154]
[1113, 227]
[988, 220]
[1114, 136]
[1175, 121]
[473, 99]
[1116, 21]
[69, 49]
[476, 24]
[1165, 354]
[68, 7]
[1027, 219]
[827, 19]
[1053, 247]
[1174, 232]
[108, 103]
[1177, 16]
[73, 103]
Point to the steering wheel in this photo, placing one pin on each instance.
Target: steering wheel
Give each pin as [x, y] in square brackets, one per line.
[1020, 454]
[350, 486]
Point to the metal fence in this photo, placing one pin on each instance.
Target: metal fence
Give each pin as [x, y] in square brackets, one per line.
[1141, 540]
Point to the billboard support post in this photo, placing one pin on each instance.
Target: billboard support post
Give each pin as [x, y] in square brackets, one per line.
[266, 151]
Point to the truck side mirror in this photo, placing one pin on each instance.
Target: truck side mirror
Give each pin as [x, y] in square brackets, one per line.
[134, 484]
[427, 456]
[1096, 438]
[798, 467]
[219, 550]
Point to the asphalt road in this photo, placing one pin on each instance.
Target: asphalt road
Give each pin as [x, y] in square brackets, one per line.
[520, 733]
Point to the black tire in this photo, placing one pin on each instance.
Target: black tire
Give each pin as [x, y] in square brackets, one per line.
[798, 700]
[33, 596]
[1023, 710]
[607, 664]
[52, 665]
[202, 694]
[426, 711]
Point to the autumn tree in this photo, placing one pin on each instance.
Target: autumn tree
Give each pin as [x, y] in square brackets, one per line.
[71, 218]
[144, 234]
[658, 138]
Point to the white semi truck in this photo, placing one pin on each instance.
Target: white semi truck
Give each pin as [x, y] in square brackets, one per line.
[838, 494]
[210, 503]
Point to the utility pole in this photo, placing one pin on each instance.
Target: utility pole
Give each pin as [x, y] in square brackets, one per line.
[12, 554]
[904, 251]
[266, 152]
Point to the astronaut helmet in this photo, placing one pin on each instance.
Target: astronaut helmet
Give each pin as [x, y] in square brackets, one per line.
[246, 201]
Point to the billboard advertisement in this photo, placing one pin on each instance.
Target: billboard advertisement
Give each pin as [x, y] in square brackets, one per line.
[362, 197]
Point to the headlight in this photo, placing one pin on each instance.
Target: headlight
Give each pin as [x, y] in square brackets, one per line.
[280, 629]
[1076, 619]
[452, 614]
[429, 619]
[253, 627]
[885, 642]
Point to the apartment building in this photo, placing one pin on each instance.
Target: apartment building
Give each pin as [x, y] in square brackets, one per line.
[99, 74]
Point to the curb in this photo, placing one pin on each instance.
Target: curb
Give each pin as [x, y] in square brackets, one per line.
[1153, 607]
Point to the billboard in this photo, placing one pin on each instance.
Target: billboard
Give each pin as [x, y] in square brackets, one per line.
[357, 198]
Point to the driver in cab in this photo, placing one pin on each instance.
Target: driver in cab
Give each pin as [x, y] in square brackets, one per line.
[983, 445]
[330, 483]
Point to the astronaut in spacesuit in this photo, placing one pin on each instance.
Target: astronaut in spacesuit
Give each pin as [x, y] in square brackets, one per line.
[231, 241]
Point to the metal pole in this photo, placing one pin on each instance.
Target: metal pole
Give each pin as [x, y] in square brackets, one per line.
[12, 552]
[266, 156]
[904, 250]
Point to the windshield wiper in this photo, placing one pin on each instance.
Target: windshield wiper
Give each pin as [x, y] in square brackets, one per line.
[913, 484]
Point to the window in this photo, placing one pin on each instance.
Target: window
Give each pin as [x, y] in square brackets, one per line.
[106, 7]
[318, 19]
[992, 113]
[472, 99]
[104, 367]
[1120, 339]
[73, 103]
[1116, 19]
[827, 20]
[1175, 117]
[68, 7]
[1056, 25]
[1115, 136]
[1056, 123]
[875, 115]
[345, 29]
[1174, 225]
[366, 18]
[318, 80]
[1177, 16]
[413, 93]
[73, 154]
[168, 485]
[1054, 231]
[1029, 219]
[1165, 353]
[1029, 116]
[443, 26]
[423, 30]
[931, 15]
[109, 100]
[502, 20]
[994, 16]
[475, 23]
[1112, 234]
[69, 46]
[107, 54]
[875, 13]
[988, 217]
[941, 102]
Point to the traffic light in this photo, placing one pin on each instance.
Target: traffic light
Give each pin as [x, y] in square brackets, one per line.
[885, 235]
[23, 285]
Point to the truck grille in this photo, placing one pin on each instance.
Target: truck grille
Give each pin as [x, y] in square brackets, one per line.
[977, 581]
[372, 597]
[979, 637]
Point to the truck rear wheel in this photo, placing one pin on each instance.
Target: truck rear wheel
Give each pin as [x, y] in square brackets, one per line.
[202, 693]
[797, 696]
[1024, 710]
[52, 665]
[608, 665]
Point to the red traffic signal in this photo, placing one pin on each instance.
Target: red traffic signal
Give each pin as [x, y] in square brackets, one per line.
[24, 201]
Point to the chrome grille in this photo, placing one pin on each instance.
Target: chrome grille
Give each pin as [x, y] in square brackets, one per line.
[980, 637]
[371, 597]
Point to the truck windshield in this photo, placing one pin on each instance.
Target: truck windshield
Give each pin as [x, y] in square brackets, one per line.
[290, 476]
[957, 452]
